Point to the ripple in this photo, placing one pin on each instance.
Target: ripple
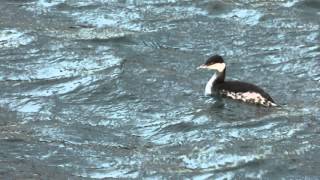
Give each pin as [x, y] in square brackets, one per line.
[246, 16]
[30, 107]
[49, 3]
[209, 160]
[121, 19]
[59, 89]
[130, 18]
[24, 105]
[42, 6]
[108, 89]
[90, 33]
[116, 173]
[12, 38]
[49, 68]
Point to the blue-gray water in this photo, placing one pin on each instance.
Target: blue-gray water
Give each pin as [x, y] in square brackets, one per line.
[109, 89]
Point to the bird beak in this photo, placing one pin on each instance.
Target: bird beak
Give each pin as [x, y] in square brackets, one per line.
[203, 66]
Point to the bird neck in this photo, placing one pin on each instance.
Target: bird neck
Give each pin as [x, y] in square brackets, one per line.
[216, 78]
[220, 77]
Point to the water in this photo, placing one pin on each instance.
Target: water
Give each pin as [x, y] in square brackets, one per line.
[110, 89]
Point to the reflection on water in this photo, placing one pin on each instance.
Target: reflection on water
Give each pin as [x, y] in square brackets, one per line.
[98, 89]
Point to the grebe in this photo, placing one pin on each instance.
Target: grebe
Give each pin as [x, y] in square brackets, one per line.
[243, 91]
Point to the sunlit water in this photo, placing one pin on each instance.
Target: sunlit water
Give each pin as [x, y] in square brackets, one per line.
[109, 89]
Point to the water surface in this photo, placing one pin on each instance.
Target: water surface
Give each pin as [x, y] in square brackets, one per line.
[110, 89]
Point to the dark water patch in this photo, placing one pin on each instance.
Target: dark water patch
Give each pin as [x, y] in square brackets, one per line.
[215, 7]
[311, 4]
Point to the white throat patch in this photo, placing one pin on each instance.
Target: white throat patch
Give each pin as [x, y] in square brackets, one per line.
[208, 90]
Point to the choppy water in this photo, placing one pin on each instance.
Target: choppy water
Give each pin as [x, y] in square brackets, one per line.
[109, 89]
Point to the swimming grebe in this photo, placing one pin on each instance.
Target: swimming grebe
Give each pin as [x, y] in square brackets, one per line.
[233, 89]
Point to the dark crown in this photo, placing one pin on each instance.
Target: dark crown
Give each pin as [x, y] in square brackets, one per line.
[214, 59]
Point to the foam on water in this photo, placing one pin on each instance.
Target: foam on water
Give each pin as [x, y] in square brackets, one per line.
[290, 3]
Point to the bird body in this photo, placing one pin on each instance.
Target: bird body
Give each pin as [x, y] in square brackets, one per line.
[237, 90]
